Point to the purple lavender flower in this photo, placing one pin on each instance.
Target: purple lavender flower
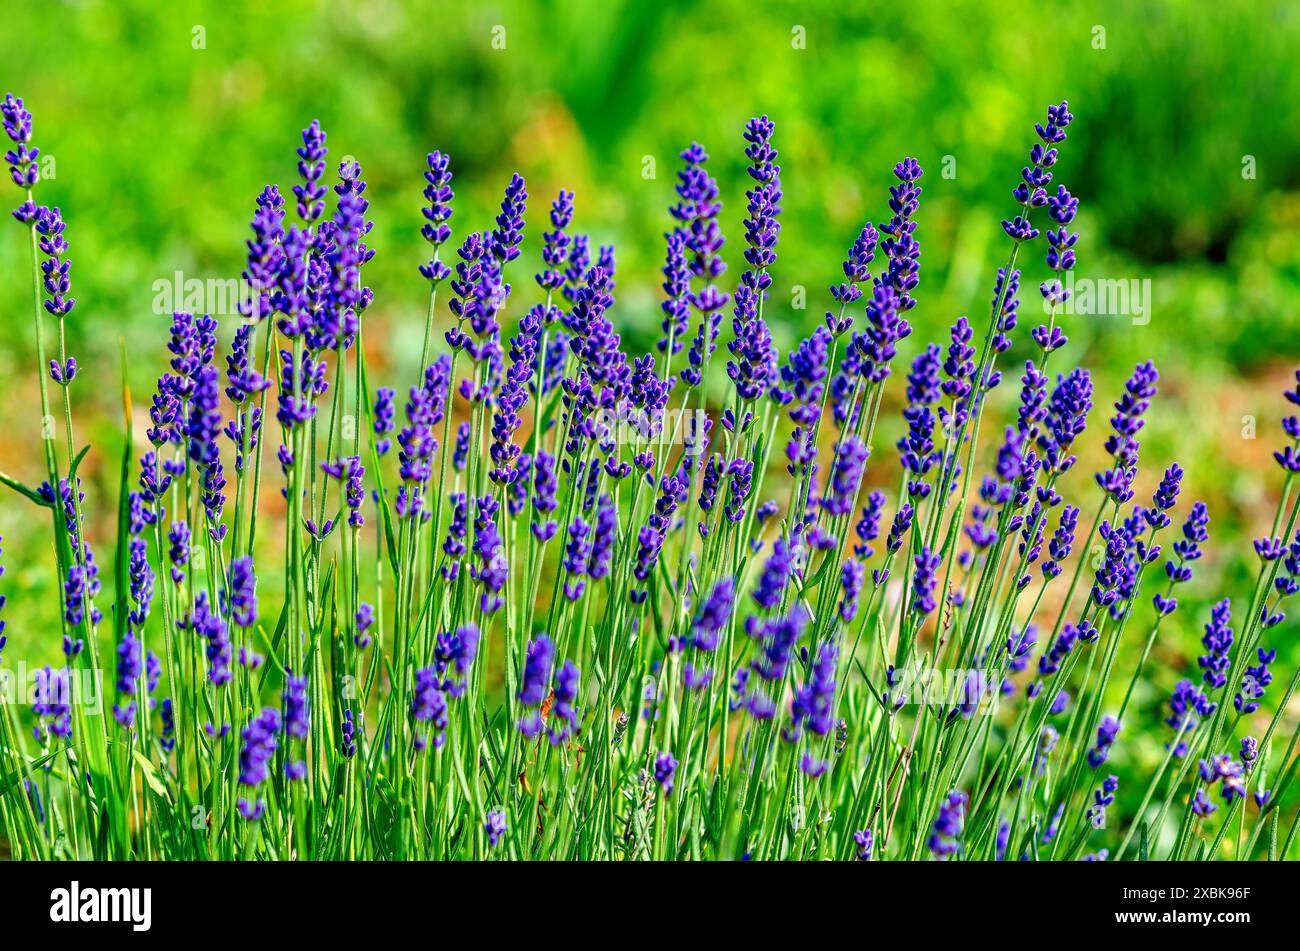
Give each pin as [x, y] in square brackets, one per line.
[918, 454]
[852, 574]
[1107, 731]
[1249, 752]
[924, 580]
[710, 481]
[65, 374]
[56, 268]
[3, 601]
[385, 414]
[242, 379]
[650, 539]
[242, 595]
[861, 253]
[1066, 419]
[1062, 541]
[429, 707]
[365, 619]
[1101, 798]
[603, 539]
[52, 703]
[713, 616]
[1019, 646]
[741, 473]
[1005, 291]
[899, 527]
[945, 834]
[348, 735]
[863, 842]
[778, 637]
[212, 629]
[260, 742]
[297, 719]
[665, 768]
[594, 342]
[495, 827]
[336, 320]
[1286, 583]
[454, 653]
[899, 244]
[266, 256]
[203, 429]
[1166, 496]
[754, 357]
[959, 371]
[923, 383]
[577, 550]
[1000, 842]
[1233, 775]
[776, 575]
[130, 665]
[79, 590]
[874, 346]
[564, 716]
[1127, 423]
[1061, 242]
[697, 211]
[802, 382]
[493, 568]
[1218, 643]
[1032, 190]
[513, 395]
[1288, 457]
[677, 285]
[1114, 579]
[556, 243]
[544, 496]
[23, 168]
[178, 551]
[1188, 705]
[706, 632]
[435, 230]
[1255, 682]
[297, 716]
[812, 706]
[868, 527]
[509, 232]
[534, 680]
[1187, 549]
[762, 227]
[167, 739]
[311, 169]
[846, 476]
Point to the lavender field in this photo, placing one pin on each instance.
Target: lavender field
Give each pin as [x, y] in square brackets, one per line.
[715, 558]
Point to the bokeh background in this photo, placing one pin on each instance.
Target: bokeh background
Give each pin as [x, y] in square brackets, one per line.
[165, 120]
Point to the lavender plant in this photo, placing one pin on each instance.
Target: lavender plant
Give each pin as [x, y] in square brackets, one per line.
[557, 599]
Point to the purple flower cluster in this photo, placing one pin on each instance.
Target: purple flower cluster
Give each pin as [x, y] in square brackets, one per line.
[1218, 643]
[1031, 192]
[1127, 422]
[533, 682]
[753, 364]
[945, 833]
[261, 739]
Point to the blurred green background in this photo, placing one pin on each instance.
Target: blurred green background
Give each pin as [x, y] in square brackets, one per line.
[165, 120]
